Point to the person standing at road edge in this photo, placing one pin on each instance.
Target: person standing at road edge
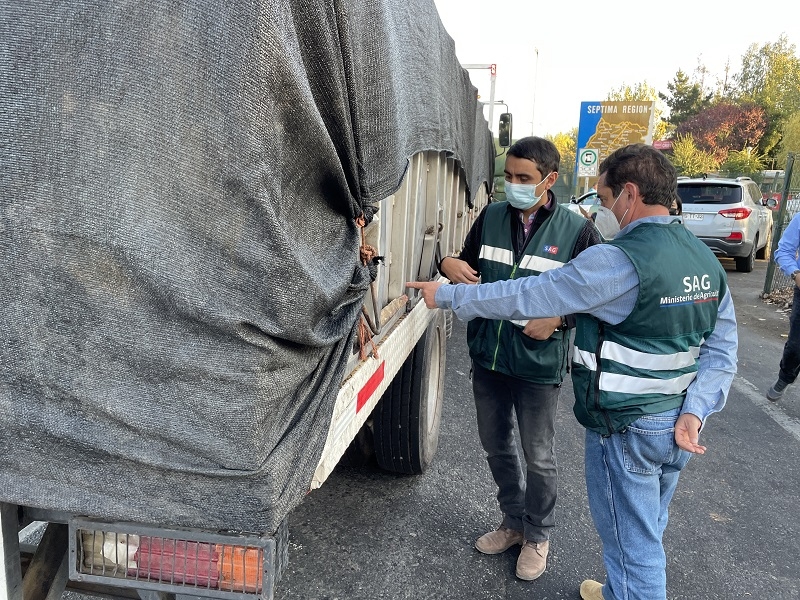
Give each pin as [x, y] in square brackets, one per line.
[655, 355]
[519, 366]
[786, 258]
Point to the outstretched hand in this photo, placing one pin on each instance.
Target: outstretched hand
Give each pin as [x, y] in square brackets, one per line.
[687, 433]
[427, 291]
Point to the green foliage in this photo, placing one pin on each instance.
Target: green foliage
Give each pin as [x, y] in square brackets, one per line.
[747, 162]
[686, 98]
[790, 141]
[689, 160]
[770, 77]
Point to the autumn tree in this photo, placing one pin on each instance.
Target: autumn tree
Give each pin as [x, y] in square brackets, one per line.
[642, 92]
[685, 99]
[567, 144]
[690, 160]
[725, 127]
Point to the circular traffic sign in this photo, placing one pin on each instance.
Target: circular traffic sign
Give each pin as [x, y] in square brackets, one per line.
[588, 157]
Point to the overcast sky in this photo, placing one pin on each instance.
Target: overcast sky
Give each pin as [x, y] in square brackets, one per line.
[586, 49]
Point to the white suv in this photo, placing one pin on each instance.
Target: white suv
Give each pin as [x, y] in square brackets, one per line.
[729, 216]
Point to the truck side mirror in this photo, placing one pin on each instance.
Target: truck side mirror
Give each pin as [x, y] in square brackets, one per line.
[504, 131]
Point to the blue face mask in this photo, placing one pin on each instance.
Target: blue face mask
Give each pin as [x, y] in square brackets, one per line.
[523, 195]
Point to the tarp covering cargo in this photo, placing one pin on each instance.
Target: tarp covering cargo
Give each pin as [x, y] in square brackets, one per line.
[180, 275]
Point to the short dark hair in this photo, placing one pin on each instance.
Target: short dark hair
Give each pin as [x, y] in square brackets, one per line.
[541, 151]
[647, 168]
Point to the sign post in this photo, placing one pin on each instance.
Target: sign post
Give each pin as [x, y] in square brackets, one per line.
[587, 165]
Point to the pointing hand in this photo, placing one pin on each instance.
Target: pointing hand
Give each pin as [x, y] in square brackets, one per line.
[427, 290]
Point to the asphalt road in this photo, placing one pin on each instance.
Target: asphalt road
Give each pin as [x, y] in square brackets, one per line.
[734, 529]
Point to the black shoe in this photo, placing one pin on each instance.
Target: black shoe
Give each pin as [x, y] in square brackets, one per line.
[775, 393]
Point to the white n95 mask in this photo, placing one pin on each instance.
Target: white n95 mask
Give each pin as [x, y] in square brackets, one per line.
[606, 222]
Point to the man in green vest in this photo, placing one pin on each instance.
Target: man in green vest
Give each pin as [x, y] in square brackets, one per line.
[655, 355]
[519, 365]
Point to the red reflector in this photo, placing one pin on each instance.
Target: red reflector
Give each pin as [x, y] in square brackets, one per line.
[194, 563]
[369, 388]
[735, 236]
[736, 213]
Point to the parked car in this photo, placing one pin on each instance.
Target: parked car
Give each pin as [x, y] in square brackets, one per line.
[729, 215]
[588, 202]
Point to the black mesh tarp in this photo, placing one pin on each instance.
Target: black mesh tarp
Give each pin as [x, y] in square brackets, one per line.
[180, 275]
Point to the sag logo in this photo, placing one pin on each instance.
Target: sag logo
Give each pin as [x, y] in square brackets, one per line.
[551, 249]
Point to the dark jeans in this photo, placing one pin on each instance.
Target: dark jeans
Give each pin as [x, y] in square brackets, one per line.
[790, 362]
[527, 499]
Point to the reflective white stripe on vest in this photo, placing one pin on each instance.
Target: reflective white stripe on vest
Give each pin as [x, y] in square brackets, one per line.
[500, 255]
[537, 263]
[585, 358]
[626, 384]
[645, 360]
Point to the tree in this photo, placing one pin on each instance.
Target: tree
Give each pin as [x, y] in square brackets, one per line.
[567, 144]
[685, 99]
[689, 160]
[746, 162]
[725, 127]
[639, 92]
[770, 77]
[790, 141]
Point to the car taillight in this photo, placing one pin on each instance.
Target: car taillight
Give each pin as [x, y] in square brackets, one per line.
[736, 213]
[735, 236]
[236, 566]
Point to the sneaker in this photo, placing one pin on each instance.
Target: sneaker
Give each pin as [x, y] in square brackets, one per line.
[499, 540]
[591, 590]
[775, 393]
[532, 560]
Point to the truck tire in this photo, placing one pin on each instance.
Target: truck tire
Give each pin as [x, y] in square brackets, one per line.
[406, 418]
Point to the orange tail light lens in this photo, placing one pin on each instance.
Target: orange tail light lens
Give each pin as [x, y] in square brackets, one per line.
[240, 568]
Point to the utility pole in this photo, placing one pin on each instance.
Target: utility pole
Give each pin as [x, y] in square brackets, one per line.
[535, 77]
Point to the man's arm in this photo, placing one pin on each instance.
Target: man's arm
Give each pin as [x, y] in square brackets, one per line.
[786, 253]
[464, 268]
[589, 236]
[601, 281]
[716, 368]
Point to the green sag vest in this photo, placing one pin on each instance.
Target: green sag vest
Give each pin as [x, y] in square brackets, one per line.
[501, 345]
[644, 364]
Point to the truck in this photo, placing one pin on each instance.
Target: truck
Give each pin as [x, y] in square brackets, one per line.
[210, 211]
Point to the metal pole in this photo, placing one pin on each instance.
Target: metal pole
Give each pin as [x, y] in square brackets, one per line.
[778, 224]
[535, 78]
[493, 71]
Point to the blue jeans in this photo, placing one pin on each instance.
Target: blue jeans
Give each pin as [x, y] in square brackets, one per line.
[527, 498]
[630, 480]
[790, 361]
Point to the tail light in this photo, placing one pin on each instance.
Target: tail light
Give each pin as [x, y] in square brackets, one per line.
[183, 561]
[735, 236]
[736, 213]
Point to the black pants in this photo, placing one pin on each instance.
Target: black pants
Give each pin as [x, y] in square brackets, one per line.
[790, 362]
[527, 495]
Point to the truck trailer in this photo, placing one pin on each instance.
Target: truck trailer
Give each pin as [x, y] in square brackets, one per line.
[209, 213]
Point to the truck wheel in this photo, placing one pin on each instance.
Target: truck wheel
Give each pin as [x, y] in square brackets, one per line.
[406, 419]
[745, 264]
